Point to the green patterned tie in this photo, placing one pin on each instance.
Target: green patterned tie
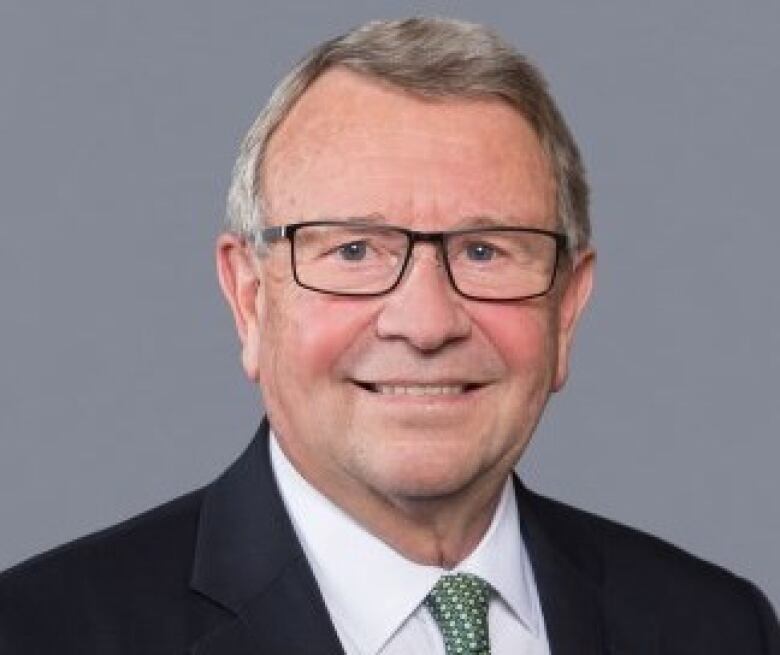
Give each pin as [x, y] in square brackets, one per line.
[459, 604]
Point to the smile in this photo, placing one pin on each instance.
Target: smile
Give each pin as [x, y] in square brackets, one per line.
[409, 389]
[420, 389]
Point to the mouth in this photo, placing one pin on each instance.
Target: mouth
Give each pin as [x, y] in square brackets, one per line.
[417, 389]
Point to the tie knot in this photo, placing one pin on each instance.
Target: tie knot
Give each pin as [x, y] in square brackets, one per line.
[459, 604]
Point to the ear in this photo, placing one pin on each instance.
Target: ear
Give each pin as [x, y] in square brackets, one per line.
[238, 278]
[574, 298]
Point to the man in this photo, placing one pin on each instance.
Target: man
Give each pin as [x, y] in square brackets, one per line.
[406, 259]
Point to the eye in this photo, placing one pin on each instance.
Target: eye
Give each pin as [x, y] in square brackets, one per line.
[354, 251]
[480, 252]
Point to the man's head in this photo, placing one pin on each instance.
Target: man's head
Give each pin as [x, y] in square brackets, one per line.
[420, 393]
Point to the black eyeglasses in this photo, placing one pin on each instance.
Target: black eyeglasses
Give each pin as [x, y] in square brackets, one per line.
[363, 259]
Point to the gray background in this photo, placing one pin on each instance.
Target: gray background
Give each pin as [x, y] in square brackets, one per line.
[120, 384]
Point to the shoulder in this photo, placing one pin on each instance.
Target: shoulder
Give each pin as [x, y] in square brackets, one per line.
[623, 553]
[650, 577]
[135, 568]
[149, 540]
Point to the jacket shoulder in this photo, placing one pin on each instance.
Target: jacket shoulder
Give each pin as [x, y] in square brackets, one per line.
[139, 568]
[153, 532]
[620, 549]
[655, 578]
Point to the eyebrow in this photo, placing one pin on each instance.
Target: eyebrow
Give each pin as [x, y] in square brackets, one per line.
[370, 219]
[486, 221]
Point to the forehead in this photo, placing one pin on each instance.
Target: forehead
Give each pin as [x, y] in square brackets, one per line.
[355, 146]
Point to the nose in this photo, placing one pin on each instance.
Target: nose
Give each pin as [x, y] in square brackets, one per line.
[424, 309]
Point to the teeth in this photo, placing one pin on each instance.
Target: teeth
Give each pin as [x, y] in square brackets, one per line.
[420, 389]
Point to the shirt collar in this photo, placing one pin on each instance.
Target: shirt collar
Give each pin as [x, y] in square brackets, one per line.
[369, 588]
[501, 559]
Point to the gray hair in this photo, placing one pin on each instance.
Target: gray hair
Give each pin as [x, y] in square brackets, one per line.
[434, 58]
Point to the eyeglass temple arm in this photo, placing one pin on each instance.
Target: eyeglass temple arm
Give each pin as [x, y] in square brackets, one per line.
[273, 234]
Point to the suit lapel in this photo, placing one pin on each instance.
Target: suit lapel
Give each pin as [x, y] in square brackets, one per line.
[286, 618]
[568, 564]
[571, 602]
[249, 561]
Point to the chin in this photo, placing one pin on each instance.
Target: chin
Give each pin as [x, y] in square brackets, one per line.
[423, 476]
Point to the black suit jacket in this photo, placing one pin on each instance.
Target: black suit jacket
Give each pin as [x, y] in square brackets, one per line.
[220, 572]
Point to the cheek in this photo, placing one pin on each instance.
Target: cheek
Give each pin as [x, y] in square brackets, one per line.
[522, 335]
[315, 333]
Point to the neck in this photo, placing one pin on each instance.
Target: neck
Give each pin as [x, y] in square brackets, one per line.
[433, 531]
[439, 530]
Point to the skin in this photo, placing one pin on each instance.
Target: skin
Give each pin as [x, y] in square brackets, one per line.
[423, 473]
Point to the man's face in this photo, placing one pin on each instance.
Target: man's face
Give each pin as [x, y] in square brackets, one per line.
[420, 393]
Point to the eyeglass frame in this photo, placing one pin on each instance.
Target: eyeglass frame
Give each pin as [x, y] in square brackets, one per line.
[276, 233]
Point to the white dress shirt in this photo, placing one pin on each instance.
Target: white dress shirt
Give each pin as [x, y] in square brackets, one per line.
[375, 595]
